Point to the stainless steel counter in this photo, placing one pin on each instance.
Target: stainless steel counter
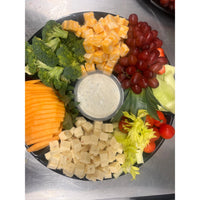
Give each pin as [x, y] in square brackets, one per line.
[157, 174]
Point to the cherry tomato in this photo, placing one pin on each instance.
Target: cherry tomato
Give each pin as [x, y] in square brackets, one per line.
[150, 121]
[156, 133]
[162, 70]
[121, 125]
[150, 147]
[166, 131]
[161, 116]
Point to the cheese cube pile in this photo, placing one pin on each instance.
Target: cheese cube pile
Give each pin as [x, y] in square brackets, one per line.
[103, 40]
[87, 150]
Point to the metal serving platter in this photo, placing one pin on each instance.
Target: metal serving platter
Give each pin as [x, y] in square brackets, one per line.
[39, 155]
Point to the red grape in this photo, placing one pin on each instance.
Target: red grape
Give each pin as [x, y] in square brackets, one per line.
[148, 74]
[139, 40]
[143, 55]
[134, 51]
[148, 37]
[155, 67]
[142, 65]
[132, 60]
[162, 60]
[121, 77]
[136, 89]
[154, 33]
[158, 42]
[153, 82]
[123, 61]
[136, 77]
[130, 70]
[133, 19]
[126, 83]
[143, 83]
[118, 68]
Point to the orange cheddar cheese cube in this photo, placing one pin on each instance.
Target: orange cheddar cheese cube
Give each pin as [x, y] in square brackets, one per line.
[100, 66]
[96, 40]
[89, 58]
[114, 56]
[89, 19]
[89, 48]
[98, 27]
[107, 45]
[123, 31]
[79, 32]
[83, 70]
[70, 25]
[114, 37]
[123, 50]
[107, 70]
[98, 56]
[110, 22]
[89, 67]
[88, 33]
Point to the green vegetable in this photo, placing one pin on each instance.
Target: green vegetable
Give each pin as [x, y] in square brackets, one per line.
[52, 30]
[66, 57]
[75, 44]
[165, 93]
[43, 52]
[53, 44]
[135, 141]
[134, 102]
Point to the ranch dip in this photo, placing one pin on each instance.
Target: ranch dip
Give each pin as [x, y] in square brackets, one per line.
[99, 96]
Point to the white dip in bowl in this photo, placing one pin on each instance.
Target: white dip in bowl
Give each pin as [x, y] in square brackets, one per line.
[99, 96]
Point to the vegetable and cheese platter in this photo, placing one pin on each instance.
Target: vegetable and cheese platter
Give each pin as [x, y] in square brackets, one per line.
[99, 95]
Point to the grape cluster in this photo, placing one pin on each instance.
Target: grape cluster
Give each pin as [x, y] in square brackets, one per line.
[170, 4]
[139, 68]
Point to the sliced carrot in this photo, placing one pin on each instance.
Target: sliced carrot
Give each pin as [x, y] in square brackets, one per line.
[40, 145]
[41, 139]
[161, 51]
[41, 133]
[33, 81]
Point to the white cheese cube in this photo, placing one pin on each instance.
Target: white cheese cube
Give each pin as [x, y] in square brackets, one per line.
[103, 158]
[98, 125]
[90, 169]
[54, 161]
[79, 170]
[113, 142]
[72, 130]
[103, 136]
[120, 158]
[85, 139]
[93, 139]
[97, 132]
[91, 177]
[114, 167]
[96, 161]
[84, 157]
[65, 146]
[111, 154]
[67, 157]
[69, 169]
[102, 145]
[80, 121]
[47, 155]
[94, 150]
[78, 132]
[76, 145]
[68, 134]
[62, 136]
[87, 126]
[107, 128]
[54, 147]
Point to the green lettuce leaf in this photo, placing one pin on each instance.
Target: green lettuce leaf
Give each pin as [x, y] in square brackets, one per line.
[165, 93]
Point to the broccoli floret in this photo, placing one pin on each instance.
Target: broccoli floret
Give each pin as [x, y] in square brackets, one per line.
[51, 78]
[51, 30]
[43, 52]
[53, 44]
[28, 51]
[72, 72]
[75, 44]
[65, 56]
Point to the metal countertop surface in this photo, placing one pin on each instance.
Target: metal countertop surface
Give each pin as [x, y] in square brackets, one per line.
[157, 174]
